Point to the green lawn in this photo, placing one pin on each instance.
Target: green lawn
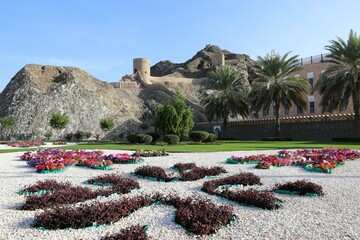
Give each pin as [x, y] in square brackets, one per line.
[235, 145]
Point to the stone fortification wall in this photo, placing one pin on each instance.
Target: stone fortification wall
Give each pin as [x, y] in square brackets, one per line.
[320, 128]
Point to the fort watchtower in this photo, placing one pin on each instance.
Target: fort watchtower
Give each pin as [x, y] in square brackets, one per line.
[141, 67]
[218, 59]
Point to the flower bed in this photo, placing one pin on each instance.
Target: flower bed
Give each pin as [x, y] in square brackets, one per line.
[149, 153]
[56, 193]
[187, 171]
[133, 232]
[25, 144]
[300, 187]
[56, 160]
[195, 214]
[263, 199]
[316, 160]
[123, 158]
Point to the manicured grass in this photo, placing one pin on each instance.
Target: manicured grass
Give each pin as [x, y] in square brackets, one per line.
[234, 145]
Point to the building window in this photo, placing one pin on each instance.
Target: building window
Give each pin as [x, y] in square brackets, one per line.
[310, 77]
[286, 111]
[297, 75]
[312, 106]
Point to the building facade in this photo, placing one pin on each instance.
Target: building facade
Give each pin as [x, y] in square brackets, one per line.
[311, 69]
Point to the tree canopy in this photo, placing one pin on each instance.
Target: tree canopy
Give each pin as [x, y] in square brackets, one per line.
[274, 86]
[228, 94]
[174, 117]
[341, 81]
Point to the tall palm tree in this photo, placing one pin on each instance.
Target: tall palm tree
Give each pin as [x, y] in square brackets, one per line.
[341, 81]
[273, 85]
[229, 89]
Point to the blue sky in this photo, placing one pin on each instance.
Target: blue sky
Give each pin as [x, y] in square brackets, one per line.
[103, 36]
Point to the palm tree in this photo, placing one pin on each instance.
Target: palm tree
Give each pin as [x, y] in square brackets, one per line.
[341, 82]
[228, 94]
[273, 85]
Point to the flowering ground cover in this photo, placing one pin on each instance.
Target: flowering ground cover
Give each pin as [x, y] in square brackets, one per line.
[25, 144]
[317, 160]
[57, 160]
[149, 153]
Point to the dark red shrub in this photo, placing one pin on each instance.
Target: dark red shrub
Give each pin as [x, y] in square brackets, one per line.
[48, 185]
[120, 185]
[135, 232]
[301, 186]
[154, 172]
[238, 179]
[200, 172]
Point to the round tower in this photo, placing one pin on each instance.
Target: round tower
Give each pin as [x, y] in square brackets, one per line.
[218, 59]
[141, 66]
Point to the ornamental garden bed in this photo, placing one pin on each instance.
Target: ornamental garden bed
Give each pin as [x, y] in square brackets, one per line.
[62, 205]
[58, 160]
[314, 160]
[187, 172]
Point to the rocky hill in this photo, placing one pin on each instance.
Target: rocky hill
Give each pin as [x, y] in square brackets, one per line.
[37, 91]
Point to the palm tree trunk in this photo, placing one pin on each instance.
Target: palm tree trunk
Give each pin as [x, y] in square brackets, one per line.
[277, 120]
[356, 103]
[225, 127]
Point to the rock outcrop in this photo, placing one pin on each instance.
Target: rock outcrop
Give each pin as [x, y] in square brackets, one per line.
[37, 91]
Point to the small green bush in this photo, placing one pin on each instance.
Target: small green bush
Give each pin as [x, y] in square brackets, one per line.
[211, 138]
[69, 136]
[132, 138]
[198, 136]
[171, 139]
[79, 135]
[144, 138]
[155, 136]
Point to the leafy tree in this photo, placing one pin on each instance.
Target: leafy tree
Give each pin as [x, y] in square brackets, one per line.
[229, 90]
[48, 135]
[59, 121]
[6, 123]
[273, 85]
[107, 124]
[341, 81]
[174, 117]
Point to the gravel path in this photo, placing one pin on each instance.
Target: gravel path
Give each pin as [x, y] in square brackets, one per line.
[333, 216]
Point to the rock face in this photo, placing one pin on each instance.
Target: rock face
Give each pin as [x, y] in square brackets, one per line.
[199, 65]
[36, 92]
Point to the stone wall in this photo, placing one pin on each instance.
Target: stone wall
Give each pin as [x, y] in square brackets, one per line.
[300, 129]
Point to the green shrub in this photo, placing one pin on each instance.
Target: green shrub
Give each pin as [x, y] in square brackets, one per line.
[198, 136]
[144, 126]
[79, 135]
[211, 138]
[155, 136]
[132, 138]
[172, 139]
[69, 136]
[144, 138]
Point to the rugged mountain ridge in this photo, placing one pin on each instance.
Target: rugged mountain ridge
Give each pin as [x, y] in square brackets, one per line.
[37, 91]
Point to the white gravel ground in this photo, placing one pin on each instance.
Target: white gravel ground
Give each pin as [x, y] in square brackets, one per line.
[333, 216]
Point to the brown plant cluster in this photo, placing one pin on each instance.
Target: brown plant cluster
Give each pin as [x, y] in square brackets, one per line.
[135, 232]
[301, 186]
[197, 215]
[57, 193]
[262, 199]
[187, 172]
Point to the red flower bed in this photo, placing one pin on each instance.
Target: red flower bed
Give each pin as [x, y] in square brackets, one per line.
[319, 160]
[25, 144]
